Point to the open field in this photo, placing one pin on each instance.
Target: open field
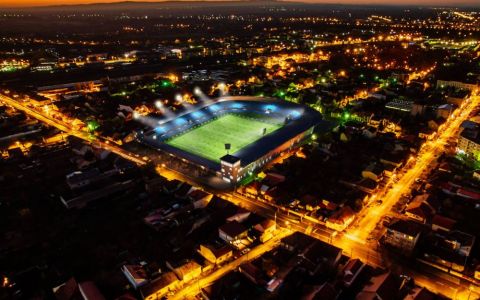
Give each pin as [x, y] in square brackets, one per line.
[209, 140]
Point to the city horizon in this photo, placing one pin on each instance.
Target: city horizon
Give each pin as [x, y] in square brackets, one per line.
[47, 3]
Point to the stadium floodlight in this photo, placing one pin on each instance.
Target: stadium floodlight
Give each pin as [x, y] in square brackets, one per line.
[201, 95]
[179, 97]
[197, 91]
[136, 115]
[223, 88]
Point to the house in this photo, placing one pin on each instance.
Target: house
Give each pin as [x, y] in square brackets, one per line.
[240, 216]
[266, 229]
[341, 218]
[469, 194]
[252, 273]
[403, 235]
[310, 202]
[421, 293]
[297, 242]
[448, 249]
[172, 186]
[460, 242]
[135, 274]
[80, 179]
[320, 256]
[276, 193]
[271, 180]
[419, 212]
[444, 111]
[385, 286]
[158, 288]
[188, 271]
[215, 255]
[351, 271]
[440, 222]
[232, 231]
[328, 205]
[469, 125]
[103, 192]
[396, 158]
[72, 290]
[444, 259]
[457, 84]
[253, 188]
[367, 185]
[155, 184]
[455, 189]
[420, 209]
[199, 198]
[476, 175]
[324, 292]
[374, 172]
[389, 170]
[477, 272]
[183, 191]
[369, 132]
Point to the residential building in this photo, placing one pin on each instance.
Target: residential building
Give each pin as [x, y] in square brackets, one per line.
[351, 271]
[403, 235]
[188, 271]
[469, 142]
[232, 231]
[420, 209]
[374, 172]
[266, 229]
[135, 274]
[457, 84]
[441, 223]
[158, 288]
[385, 286]
[215, 255]
[73, 290]
[341, 218]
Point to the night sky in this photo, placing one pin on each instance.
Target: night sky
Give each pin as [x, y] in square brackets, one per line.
[17, 3]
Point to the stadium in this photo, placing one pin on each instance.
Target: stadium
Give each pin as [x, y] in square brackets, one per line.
[233, 136]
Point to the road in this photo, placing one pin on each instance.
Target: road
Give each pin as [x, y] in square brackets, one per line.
[68, 129]
[193, 288]
[424, 162]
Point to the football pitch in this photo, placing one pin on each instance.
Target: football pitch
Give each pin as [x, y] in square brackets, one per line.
[209, 140]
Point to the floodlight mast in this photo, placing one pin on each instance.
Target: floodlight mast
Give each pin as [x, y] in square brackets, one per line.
[228, 146]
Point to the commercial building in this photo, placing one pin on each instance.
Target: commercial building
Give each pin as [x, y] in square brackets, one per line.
[403, 235]
[469, 142]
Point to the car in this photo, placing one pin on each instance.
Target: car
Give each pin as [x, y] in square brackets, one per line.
[379, 202]
[294, 203]
[245, 251]
[418, 180]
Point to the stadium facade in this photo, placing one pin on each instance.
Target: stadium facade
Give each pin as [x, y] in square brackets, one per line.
[260, 130]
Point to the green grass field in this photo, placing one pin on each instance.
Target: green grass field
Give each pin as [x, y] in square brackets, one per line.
[209, 140]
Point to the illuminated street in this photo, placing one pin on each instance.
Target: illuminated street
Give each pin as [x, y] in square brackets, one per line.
[193, 288]
[426, 158]
[67, 128]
